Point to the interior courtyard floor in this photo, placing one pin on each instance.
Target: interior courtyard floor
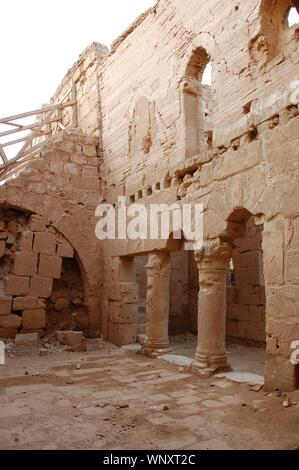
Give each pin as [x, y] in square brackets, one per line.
[108, 398]
[247, 363]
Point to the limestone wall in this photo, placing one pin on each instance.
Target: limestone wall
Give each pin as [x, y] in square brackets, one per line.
[252, 161]
[30, 262]
[141, 84]
[61, 188]
[85, 77]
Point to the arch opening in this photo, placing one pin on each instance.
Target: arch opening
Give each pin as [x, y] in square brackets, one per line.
[41, 287]
[246, 299]
[198, 103]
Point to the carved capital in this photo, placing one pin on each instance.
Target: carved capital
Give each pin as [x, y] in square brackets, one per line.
[158, 262]
[213, 252]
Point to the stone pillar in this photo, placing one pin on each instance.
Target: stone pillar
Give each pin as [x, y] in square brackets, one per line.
[212, 262]
[122, 302]
[157, 303]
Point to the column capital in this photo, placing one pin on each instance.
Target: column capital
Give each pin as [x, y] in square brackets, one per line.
[214, 253]
[157, 260]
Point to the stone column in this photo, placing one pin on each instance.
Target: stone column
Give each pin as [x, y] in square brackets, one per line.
[157, 303]
[212, 262]
[122, 302]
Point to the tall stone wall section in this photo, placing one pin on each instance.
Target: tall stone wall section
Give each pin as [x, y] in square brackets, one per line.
[62, 188]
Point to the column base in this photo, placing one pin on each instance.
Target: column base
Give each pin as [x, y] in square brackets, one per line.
[207, 365]
[154, 348]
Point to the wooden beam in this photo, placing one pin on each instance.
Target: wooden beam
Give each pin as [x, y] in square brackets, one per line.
[36, 111]
[3, 155]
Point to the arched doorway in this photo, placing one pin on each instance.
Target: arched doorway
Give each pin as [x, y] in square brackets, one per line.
[246, 299]
[41, 288]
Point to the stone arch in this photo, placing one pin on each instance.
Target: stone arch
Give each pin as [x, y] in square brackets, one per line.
[246, 297]
[33, 270]
[197, 101]
[67, 246]
[268, 31]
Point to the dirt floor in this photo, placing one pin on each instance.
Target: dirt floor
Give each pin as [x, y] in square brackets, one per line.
[107, 398]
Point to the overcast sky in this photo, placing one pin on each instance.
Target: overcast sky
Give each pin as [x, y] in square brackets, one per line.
[41, 39]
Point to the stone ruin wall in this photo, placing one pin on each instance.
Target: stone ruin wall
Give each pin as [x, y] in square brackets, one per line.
[134, 100]
[50, 273]
[33, 255]
[253, 160]
[84, 75]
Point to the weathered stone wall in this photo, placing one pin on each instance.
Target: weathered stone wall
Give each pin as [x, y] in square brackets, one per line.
[146, 105]
[85, 77]
[253, 155]
[31, 262]
[246, 292]
[62, 189]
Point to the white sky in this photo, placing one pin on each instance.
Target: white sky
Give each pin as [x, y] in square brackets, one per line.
[41, 39]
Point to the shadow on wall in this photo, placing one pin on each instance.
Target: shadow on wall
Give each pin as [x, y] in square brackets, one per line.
[38, 275]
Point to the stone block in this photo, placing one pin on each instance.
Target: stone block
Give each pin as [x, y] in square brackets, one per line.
[8, 333]
[251, 330]
[89, 150]
[26, 241]
[16, 285]
[2, 248]
[70, 338]
[41, 287]
[25, 263]
[45, 243]
[5, 304]
[23, 303]
[26, 343]
[123, 313]
[10, 321]
[238, 312]
[61, 303]
[249, 276]
[37, 224]
[65, 249]
[34, 319]
[122, 333]
[50, 266]
[127, 292]
[12, 227]
[232, 294]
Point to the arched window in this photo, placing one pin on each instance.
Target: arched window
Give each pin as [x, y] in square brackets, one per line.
[293, 16]
[197, 103]
[276, 17]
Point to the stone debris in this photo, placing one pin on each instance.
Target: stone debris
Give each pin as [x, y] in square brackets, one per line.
[74, 340]
[26, 344]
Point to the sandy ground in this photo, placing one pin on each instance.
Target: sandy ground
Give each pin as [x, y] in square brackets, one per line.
[112, 399]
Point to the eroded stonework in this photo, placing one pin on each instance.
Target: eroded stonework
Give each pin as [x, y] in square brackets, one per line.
[150, 130]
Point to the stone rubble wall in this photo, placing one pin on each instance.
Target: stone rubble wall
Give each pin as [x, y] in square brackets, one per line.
[61, 188]
[253, 158]
[35, 252]
[85, 76]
